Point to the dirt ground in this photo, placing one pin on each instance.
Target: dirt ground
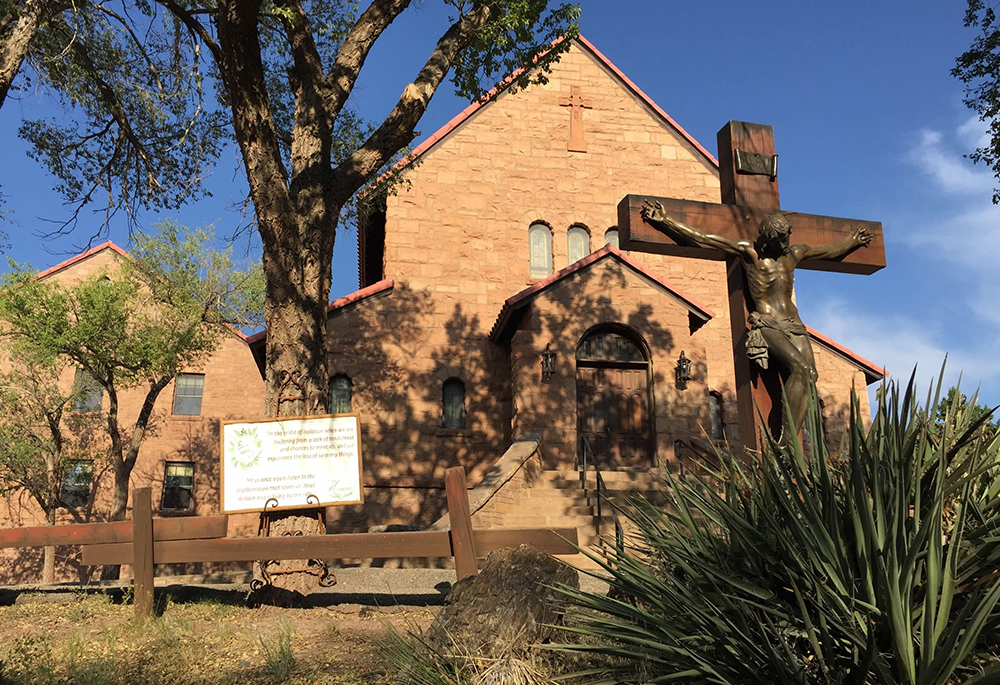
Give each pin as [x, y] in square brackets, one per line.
[95, 639]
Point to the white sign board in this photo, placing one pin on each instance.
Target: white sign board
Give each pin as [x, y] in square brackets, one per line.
[291, 463]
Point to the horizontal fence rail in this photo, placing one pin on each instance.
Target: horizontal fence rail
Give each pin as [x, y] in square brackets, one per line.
[190, 528]
[412, 544]
[145, 541]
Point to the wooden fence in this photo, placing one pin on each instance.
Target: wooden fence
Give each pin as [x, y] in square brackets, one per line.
[146, 541]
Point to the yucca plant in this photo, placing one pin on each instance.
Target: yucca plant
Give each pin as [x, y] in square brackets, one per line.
[880, 567]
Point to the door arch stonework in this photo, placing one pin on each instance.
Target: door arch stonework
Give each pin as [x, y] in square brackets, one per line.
[614, 398]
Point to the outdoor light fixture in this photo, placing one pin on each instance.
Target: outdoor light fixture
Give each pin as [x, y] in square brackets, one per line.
[548, 363]
[683, 371]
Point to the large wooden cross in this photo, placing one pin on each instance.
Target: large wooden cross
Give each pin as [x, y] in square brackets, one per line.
[749, 180]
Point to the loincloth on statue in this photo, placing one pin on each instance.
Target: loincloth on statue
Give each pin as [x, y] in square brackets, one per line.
[757, 345]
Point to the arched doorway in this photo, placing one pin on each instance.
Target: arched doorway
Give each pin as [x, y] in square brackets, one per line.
[613, 397]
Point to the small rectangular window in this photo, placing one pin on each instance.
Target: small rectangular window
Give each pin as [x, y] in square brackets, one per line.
[87, 392]
[178, 486]
[187, 394]
[74, 491]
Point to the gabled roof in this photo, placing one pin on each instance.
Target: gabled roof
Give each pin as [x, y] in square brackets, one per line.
[873, 372]
[80, 257]
[517, 302]
[463, 116]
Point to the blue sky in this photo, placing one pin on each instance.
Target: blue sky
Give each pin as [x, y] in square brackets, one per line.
[868, 123]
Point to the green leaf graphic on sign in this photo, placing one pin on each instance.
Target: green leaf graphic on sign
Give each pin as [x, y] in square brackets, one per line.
[245, 447]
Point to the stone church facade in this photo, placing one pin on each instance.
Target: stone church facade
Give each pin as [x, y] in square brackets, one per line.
[501, 248]
[499, 253]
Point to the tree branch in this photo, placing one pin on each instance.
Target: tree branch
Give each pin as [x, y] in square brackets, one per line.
[195, 26]
[397, 129]
[355, 48]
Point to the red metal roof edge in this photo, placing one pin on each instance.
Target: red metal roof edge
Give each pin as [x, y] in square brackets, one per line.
[107, 245]
[340, 302]
[514, 302]
[645, 98]
[873, 370]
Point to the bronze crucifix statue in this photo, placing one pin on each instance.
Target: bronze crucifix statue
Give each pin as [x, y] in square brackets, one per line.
[751, 232]
[769, 264]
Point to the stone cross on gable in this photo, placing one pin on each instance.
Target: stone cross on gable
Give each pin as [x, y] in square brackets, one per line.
[749, 184]
[577, 103]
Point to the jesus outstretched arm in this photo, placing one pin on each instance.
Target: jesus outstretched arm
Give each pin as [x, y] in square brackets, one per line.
[654, 213]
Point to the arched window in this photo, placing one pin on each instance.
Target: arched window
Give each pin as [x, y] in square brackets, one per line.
[453, 402]
[715, 415]
[577, 244]
[340, 394]
[540, 246]
[611, 237]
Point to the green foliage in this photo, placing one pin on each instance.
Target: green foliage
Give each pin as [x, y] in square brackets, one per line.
[979, 68]
[791, 569]
[147, 320]
[521, 33]
[141, 132]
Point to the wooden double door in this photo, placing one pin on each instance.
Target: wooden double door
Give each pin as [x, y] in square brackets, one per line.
[613, 413]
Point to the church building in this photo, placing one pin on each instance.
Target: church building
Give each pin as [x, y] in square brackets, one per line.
[497, 309]
[497, 326]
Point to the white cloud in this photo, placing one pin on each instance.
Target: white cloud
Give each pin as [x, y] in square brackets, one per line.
[969, 238]
[899, 343]
[949, 169]
[973, 133]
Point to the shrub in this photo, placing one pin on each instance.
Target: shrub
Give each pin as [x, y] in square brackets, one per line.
[790, 568]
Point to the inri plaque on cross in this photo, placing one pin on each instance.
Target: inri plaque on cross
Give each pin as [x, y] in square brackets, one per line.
[760, 257]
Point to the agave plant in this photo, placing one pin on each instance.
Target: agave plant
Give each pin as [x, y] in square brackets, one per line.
[880, 567]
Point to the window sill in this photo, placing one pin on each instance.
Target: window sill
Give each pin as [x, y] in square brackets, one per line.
[174, 513]
[186, 417]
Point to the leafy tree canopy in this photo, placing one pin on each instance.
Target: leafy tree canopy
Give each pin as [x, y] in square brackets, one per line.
[979, 68]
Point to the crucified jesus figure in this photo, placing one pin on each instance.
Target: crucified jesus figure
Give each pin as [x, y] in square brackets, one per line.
[769, 262]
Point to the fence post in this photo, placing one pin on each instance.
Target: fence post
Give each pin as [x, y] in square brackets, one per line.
[142, 546]
[460, 517]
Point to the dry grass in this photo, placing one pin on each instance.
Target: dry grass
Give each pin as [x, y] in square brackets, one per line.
[94, 641]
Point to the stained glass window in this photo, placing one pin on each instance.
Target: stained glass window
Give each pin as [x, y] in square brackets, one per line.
[540, 245]
[715, 415]
[188, 389]
[74, 491]
[178, 486]
[88, 392]
[453, 399]
[340, 394]
[577, 244]
[611, 237]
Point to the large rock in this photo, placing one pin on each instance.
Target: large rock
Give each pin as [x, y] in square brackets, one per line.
[507, 602]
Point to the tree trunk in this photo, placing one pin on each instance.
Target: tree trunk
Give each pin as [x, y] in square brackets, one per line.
[119, 503]
[49, 560]
[15, 46]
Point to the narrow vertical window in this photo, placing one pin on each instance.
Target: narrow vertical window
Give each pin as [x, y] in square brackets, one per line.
[453, 399]
[715, 415]
[74, 491]
[188, 388]
[577, 244]
[340, 394]
[540, 246]
[611, 237]
[178, 486]
[88, 393]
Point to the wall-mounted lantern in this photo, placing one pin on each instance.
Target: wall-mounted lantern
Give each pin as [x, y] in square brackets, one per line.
[682, 373]
[548, 363]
